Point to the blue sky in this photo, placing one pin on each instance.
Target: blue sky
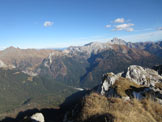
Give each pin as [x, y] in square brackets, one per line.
[61, 23]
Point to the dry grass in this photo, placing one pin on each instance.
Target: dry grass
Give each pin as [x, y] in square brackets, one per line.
[94, 104]
[122, 111]
[122, 85]
[158, 85]
[153, 108]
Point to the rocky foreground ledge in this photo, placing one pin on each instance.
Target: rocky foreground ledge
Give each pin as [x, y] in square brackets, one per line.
[135, 82]
[132, 95]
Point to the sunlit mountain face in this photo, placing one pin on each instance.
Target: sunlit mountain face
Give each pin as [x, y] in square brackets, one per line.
[61, 59]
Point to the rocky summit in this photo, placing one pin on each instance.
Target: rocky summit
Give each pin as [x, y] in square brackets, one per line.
[135, 82]
[121, 98]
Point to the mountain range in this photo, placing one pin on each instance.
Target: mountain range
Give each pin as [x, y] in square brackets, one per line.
[82, 66]
[32, 77]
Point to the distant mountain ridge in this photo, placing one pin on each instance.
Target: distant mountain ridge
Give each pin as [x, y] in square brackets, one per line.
[95, 47]
[84, 65]
[81, 65]
[24, 59]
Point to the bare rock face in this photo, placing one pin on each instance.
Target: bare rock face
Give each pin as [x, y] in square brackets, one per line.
[108, 80]
[95, 47]
[118, 41]
[37, 117]
[135, 82]
[88, 49]
[142, 76]
[2, 64]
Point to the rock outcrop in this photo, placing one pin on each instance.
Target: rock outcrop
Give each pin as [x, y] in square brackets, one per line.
[113, 100]
[135, 82]
[37, 117]
[108, 80]
[142, 76]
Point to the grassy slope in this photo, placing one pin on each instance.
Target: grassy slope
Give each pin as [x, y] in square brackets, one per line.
[95, 106]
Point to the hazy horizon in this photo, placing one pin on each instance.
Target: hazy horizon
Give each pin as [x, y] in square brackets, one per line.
[61, 48]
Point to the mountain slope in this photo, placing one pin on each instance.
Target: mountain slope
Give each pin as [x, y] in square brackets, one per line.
[23, 59]
[116, 60]
[152, 47]
[83, 66]
[19, 90]
[66, 69]
[131, 95]
[97, 108]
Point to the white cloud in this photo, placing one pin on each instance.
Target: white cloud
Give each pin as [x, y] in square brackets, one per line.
[123, 26]
[48, 23]
[126, 27]
[108, 26]
[119, 20]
